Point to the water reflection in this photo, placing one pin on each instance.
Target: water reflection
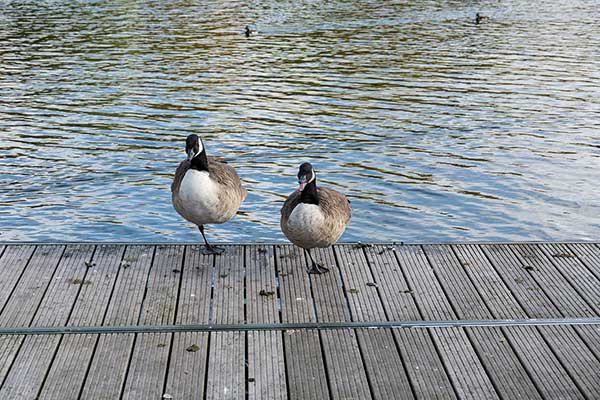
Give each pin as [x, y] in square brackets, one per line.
[436, 128]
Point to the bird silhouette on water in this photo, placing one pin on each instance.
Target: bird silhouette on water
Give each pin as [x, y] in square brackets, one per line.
[478, 18]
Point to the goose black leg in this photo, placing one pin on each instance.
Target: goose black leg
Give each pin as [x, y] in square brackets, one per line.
[209, 248]
[315, 268]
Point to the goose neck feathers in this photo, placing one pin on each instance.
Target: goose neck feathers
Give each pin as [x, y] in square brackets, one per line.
[310, 195]
[200, 162]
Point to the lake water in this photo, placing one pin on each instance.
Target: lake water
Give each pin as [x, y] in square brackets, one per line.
[436, 128]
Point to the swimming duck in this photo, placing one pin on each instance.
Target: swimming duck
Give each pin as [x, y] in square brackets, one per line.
[314, 216]
[205, 190]
[480, 18]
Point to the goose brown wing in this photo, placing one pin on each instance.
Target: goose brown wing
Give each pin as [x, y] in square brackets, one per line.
[286, 210]
[334, 205]
[179, 174]
[225, 175]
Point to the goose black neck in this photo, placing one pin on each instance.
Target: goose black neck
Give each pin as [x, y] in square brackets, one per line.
[309, 195]
[200, 162]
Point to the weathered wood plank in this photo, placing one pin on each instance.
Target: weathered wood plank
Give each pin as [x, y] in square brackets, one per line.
[74, 353]
[345, 367]
[423, 365]
[29, 368]
[109, 364]
[20, 309]
[266, 364]
[108, 369]
[378, 349]
[305, 364]
[589, 254]
[9, 347]
[187, 369]
[226, 370]
[534, 352]
[575, 272]
[500, 361]
[226, 359]
[509, 265]
[548, 279]
[12, 264]
[460, 357]
[149, 359]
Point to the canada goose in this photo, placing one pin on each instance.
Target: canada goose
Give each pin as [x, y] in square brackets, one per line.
[205, 190]
[480, 18]
[314, 217]
[247, 31]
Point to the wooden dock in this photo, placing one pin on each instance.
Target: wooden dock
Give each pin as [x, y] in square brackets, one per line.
[490, 321]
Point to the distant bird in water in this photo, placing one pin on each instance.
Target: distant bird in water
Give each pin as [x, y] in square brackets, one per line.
[314, 216]
[480, 18]
[247, 31]
[205, 190]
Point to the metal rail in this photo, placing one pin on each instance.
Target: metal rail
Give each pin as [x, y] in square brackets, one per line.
[60, 330]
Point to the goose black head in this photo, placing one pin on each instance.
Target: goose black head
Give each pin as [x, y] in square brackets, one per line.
[193, 146]
[306, 175]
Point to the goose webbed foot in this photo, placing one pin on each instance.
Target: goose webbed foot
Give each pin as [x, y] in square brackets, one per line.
[317, 269]
[208, 248]
[212, 250]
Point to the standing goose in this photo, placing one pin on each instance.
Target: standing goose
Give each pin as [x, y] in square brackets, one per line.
[204, 190]
[314, 217]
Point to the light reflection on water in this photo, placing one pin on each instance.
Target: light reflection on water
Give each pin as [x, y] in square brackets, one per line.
[436, 128]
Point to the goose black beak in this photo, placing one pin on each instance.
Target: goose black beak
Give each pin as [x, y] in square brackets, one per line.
[191, 154]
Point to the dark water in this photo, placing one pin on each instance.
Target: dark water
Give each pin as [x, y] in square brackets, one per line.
[436, 128]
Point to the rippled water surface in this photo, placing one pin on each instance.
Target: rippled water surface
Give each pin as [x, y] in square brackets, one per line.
[436, 128]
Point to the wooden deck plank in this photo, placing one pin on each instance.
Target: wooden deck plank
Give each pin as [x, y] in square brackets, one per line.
[575, 272]
[226, 359]
[31, 364]
[26, 297]
[266, 364]
[424, 367]
[148, 366]
[501, 363]
[551, 281]
[538, 358]
[226, 370]
[345, 366]
[589, 254]
[13, 262]
[106, 374]
[187, 369]
[9, 347]
[108, 369]
[74, 353]
[49, 288]
[460, 357]
[365, 304]
[305, 364]
[509, 264]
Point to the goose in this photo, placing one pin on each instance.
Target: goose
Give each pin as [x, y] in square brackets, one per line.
[314, 216]
[247, 31]
[205, 190]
